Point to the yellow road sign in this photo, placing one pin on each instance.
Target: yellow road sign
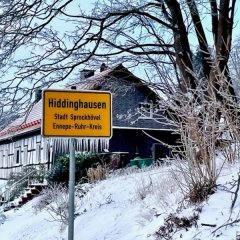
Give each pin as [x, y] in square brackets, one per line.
[77, 114]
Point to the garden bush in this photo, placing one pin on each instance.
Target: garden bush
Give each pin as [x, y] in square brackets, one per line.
[60, 171]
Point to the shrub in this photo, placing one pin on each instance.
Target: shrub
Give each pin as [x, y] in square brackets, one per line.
[55, 201]
[60, 171]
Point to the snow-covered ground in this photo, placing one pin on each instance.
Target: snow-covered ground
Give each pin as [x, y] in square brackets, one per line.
[132, 206]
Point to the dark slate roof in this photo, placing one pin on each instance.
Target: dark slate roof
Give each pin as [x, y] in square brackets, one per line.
[127, 92]
[109, 80]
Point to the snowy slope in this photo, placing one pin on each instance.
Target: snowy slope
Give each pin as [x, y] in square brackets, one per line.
[131, 207]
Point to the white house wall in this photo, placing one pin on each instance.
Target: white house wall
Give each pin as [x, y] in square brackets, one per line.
[36, 150]
[33, 151]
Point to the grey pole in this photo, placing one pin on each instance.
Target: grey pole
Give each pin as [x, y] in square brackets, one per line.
[71, 190]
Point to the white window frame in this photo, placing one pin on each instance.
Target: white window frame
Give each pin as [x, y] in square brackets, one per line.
[146, 110]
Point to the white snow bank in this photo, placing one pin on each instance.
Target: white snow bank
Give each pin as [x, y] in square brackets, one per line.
[131, 207]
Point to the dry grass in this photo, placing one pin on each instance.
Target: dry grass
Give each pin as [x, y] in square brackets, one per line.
[164, 192]
[97, 174]
[144, 187]
[55, 201]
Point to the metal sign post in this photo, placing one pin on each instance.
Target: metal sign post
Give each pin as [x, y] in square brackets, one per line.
[71, 206]
[83, 114]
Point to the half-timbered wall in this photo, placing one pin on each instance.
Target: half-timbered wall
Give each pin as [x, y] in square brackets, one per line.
[36, 150]
[30, 151]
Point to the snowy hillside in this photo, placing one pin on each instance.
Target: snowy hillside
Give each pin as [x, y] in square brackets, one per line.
[133, 206]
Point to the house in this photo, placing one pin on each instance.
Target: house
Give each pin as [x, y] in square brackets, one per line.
[138, 125]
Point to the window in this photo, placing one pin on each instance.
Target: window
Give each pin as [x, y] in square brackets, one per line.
[146, 109]
[17, 156]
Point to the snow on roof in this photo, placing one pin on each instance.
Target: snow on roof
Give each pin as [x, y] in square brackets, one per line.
[26, 123]
[105, 80]
[91, 83]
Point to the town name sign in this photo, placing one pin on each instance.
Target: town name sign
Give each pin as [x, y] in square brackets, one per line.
[76, 114]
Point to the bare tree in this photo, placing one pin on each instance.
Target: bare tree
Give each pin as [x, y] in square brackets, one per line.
[158, 35]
